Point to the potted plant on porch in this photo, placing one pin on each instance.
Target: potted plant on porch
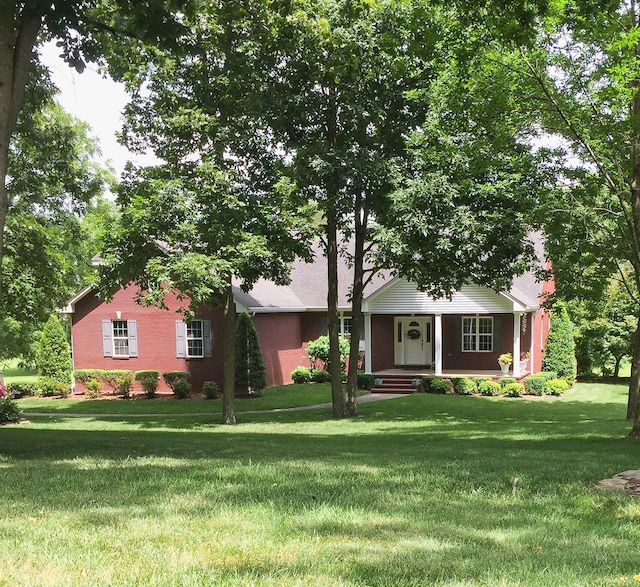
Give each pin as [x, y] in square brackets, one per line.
[505, 360]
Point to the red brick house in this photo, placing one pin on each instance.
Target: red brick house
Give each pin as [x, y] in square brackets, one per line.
[404, 328]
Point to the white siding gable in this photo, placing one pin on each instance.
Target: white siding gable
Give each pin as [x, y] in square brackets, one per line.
[402, 297]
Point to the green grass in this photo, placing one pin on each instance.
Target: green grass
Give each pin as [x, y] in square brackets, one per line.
[417, 491]
[14, 374]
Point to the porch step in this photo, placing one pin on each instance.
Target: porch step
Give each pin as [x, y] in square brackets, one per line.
[395, 384]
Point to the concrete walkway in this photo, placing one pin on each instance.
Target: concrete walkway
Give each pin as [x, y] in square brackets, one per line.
[363, 399]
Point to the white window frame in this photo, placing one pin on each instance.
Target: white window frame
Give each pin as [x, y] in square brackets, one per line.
[190, 338]
[474, 339]
[120, 333]
[345, 331]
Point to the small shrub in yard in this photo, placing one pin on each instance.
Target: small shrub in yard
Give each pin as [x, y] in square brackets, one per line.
[181, 388]
[113, 376]
[534, 385]
[441, 385]
[320, 376]
[18, 390]
[556, 386]
[504, 381]
[148, 380]
[93, 387]
[49, 387]
[124, 383]
[489, 387]
[464, 385]
[546, 375]
[365, 380]
[301, 375]
[54, 354]
[170, 377]
[210, 390]
[9, 411]
[513, 389]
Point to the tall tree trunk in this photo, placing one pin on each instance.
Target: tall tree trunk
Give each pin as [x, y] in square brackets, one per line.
[228, 357]
[357, 322]
[335, 368]
[634, 383]
[18, 33]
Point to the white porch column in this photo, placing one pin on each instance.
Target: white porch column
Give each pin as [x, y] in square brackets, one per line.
[517, 318]
[367, 343]
[437, 335]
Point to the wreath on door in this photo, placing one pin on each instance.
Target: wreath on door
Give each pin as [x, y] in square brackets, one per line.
[413, 334]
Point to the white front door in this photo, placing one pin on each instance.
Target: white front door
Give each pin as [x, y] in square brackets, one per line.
[413, 341]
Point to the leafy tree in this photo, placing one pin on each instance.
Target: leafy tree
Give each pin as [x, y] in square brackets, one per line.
[559, 352]
[251, 373]
[85, 29]
[584, 69]
[54, 352]
[217, 209]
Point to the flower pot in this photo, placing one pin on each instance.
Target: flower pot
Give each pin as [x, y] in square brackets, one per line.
[504, 367]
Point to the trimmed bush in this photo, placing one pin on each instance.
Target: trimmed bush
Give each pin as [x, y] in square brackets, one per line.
[464, 385]
[560, 350]
[124, 383]
[504, 381]
[85, 375]
[210, 390]
[181, 388]
[301, 375]
[513, 389]
[112, 377]
[489, 387]
[556, 386]
[9, 411]
[365, 380]
[170, 377]
[18, 390]
[148, 380]
[546, 375]
[50, 387]
[320, 376]
[440, 385]
[534, 385]
[93, 387]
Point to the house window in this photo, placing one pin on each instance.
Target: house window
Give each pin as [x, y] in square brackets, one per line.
[120, 338]
[477, 333]
[195, 339]
[345, 327]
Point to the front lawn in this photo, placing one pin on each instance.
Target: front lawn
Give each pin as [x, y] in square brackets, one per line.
[417, 491]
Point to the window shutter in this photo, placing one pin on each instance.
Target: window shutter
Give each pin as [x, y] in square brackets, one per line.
[132, 329]
[107, 347]
[180, 342]
[206, 338]
[497, 334]
[457, 333]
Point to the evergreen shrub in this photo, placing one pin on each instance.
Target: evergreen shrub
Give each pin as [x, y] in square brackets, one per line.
[504, 381]
[320, 376]
[534, 385]
[556, 386]
[17, 390]
[560, 350]
[53, 356]
[513, 389]
[9, 411]
[210, 390]
[365, 380]
[250, 373]
[440, 385]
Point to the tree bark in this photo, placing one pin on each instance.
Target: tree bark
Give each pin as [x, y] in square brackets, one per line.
[357, 294]
[228, 360]
[335, 368]
[18, 34]
[634, 383]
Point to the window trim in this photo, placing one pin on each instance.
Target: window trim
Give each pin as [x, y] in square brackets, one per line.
[188, 338]
[475, 335]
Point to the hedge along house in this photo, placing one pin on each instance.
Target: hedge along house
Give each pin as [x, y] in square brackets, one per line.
[405, 329]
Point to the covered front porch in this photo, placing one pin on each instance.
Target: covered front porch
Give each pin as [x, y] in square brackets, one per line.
[406, 380]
